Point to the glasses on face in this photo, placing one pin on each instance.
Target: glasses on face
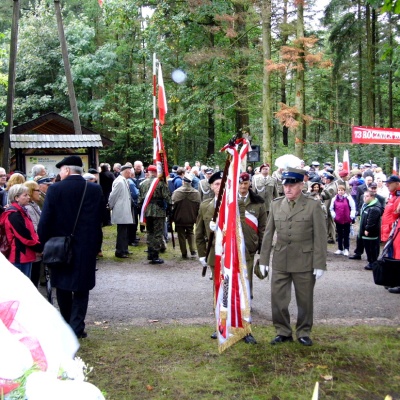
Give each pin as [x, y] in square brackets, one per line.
[3, 176]
[35, 190]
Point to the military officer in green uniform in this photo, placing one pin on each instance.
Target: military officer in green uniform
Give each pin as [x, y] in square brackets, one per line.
[204, 186]
[155, 213]
[253, 217]
[299, 256]
[265, 186]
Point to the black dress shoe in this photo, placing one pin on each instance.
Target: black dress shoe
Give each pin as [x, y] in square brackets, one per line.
[214, 336]
[249, 339]
[83, 335]
[394, 290]
[121, 255]
[305, 341]
[355, 257]
[281, 339]
[368, 267]
[157, 261]
[135, 244]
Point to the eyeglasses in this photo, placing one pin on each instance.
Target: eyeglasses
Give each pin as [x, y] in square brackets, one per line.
[35, 190]
[3, 176]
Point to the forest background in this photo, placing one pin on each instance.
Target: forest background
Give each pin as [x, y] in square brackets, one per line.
[293, 75]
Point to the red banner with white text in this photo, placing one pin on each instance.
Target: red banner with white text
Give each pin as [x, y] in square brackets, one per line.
[371, 135]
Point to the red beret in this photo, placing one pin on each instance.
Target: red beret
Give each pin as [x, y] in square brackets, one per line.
[152, 168]
[264, 165]
[343, 173]
[244, 177]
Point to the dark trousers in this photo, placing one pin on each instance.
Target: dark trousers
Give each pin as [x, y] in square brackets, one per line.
[73, 307]
[185, 233]
[155, 233]
[35, 273]
[121, 246]
[359, 246]
[372, 248]
[343, 232]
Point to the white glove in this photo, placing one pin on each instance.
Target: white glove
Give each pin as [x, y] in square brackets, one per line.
[333, 214]
[318, 273]
[213, 226]
[203, 261]
[264, 270]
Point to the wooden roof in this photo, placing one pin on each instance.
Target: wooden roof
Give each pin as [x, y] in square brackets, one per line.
[54, 131]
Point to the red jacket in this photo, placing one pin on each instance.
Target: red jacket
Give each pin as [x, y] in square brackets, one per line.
[388, 218]
[21, 235]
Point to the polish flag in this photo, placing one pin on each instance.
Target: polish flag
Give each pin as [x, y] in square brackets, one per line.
[394, 171]
[100, 3]
[346, 160]
[162, 100]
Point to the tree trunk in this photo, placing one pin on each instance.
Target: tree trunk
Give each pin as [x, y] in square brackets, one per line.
[241, 43]
[266, 110]
[299, 97]
[285, 37]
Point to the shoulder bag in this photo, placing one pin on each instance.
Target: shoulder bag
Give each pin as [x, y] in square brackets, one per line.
[386, 270]
[57, 250]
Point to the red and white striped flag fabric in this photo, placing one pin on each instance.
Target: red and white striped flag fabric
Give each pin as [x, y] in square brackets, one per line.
[100, 3]
[160, 156]
[162, 99]
[394, 170]
[346, 160]
[232, 292]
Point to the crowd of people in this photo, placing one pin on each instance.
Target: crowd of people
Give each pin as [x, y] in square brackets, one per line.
[299, 210]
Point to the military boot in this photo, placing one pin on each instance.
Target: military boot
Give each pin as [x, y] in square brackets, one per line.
[156, 259]
[150, 253]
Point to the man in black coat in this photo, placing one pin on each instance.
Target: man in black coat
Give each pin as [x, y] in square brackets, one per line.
[58, 217]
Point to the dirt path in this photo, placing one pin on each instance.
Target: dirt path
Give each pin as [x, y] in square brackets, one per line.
[137, 293]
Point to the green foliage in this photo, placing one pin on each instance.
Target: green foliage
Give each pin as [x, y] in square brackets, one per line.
[218, 45]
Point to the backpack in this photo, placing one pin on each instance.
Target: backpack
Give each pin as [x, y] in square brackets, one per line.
[5, 246]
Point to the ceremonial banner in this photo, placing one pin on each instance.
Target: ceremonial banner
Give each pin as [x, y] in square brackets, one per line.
[371, 135]
[346, 160]
[232, 292]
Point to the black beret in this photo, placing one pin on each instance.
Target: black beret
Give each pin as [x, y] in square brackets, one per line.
[124, 167]
[215, 176]
[93, 171]
[70, 160]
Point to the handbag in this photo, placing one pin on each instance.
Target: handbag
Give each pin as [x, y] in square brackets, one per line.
[386, 270]
[58, 249]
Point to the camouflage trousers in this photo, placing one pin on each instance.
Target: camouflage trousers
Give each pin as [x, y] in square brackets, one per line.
[155, 232]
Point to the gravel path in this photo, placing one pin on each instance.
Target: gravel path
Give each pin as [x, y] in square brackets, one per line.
[136, 293]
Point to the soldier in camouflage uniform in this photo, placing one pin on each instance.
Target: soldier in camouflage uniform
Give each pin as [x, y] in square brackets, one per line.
[155, 213]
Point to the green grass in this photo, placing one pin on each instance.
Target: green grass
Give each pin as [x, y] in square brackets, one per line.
[182, 362]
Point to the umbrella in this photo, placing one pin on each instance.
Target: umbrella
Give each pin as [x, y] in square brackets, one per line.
[288, 161]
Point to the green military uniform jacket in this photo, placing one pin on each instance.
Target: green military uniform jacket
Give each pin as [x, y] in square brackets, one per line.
[202, 233]
[160, 200]
[256, 207]
[301, 236]
[205, 190]
[266, 188]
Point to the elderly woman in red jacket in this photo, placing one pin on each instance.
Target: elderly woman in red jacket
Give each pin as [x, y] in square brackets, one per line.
[20, 232]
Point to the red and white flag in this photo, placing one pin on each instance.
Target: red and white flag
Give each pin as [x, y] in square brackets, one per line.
[394, 170]
[100, 3]
[232, 291]
[162, 99]
[346, 161]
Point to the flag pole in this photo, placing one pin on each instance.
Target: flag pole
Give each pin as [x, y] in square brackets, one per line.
[154, 106]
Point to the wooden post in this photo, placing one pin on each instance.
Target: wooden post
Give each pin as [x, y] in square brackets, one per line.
[68, 75]
[11, 87]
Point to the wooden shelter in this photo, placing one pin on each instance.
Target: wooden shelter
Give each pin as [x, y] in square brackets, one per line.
[49, 138]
